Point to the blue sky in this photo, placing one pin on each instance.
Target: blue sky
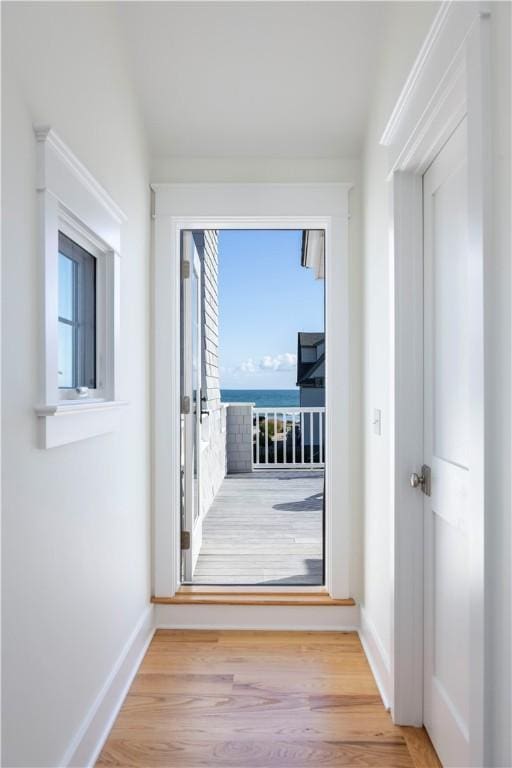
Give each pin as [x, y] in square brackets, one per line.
[265, 298]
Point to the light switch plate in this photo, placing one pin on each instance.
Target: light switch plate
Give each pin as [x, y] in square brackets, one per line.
[377, 421]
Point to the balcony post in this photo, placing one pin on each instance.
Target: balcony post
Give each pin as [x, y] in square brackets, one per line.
[239, 436]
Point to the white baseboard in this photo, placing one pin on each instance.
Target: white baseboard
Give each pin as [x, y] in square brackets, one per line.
[377, 657]
[258, 617]
[87, 743]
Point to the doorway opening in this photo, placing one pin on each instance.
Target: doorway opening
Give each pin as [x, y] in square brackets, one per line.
[253, 409]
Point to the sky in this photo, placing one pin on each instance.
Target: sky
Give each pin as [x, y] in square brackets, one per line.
[265, 299]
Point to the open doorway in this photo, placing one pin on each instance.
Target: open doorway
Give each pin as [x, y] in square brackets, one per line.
[253, 407]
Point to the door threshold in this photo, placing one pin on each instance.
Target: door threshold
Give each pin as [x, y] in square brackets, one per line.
[253, 589]
[191, 595]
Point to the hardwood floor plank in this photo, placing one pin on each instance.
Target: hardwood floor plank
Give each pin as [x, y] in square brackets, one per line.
[257, 754]
[420, 747]
[154, 683]
[244, 699]
[266, 725]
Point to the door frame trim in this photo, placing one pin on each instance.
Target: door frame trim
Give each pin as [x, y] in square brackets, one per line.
[251, 206]
[449, 81]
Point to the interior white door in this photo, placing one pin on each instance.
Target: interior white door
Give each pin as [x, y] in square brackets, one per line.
[191, 403]
[452, 354]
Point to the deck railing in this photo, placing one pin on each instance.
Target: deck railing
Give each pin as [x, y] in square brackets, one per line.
[288, 437]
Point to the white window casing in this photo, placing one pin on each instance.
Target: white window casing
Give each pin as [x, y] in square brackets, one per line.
[70, 200]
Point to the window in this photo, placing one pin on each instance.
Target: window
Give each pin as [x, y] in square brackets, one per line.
[77, 316]
[80, 241]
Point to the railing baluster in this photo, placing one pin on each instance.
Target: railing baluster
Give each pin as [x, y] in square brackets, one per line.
[275, 437]
[266, 437]
[321, 436]
[294, 436]
[284, 437]
[302, 461]
[311, 423]
[257, 438]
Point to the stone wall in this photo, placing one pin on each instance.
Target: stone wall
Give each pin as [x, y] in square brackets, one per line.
[239, 437]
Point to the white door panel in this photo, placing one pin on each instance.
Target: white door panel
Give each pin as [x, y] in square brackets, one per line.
[191, 391]
[447, 434]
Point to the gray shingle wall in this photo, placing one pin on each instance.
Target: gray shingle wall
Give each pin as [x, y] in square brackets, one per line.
[213, 428]
[239, 437]
[211, 381]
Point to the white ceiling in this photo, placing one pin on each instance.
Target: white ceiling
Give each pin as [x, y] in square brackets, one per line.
[273, 79]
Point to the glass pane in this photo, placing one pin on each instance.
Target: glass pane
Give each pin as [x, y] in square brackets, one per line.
[66, 355]
[66, 287]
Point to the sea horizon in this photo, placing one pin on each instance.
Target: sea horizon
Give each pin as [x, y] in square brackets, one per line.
[262, 398]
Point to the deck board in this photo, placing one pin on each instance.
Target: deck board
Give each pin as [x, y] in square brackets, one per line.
[264, 527]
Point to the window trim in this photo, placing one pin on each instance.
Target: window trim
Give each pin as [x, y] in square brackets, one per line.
[71, 201]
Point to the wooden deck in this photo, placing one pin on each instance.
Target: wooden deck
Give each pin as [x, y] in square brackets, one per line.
[264, 528]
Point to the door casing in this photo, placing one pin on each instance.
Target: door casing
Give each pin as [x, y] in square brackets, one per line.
[181, 207]
[450, 80]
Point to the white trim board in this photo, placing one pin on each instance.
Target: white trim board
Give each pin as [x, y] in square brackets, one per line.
[87, 743]
[378, 659]
[433, 99]
[258, 617]
[250, 206]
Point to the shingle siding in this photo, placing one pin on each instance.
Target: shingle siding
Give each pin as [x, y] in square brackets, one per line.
[239, 438]
[213, 428]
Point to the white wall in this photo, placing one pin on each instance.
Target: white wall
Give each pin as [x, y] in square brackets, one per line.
[408, 24]
[254, 169]
[75, 518]
[498, 461]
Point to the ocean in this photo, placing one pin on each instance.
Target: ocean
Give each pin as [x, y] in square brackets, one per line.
[262, 398]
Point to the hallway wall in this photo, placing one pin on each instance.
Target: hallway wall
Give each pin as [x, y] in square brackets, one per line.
[408, 24]
[76, 558]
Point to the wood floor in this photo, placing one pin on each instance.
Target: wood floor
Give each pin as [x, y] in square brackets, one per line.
[243, 699]
[264, 527]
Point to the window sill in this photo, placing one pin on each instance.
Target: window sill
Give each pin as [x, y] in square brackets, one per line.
[71, 421]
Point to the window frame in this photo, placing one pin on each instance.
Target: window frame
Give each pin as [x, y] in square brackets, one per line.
[72, 202]
[75, 252]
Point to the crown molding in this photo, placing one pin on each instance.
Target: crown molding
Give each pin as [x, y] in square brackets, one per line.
[47, 136]
[432, 101]
[414, 75]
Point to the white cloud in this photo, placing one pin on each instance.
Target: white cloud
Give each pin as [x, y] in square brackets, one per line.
[247, 366]
[284, 362]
